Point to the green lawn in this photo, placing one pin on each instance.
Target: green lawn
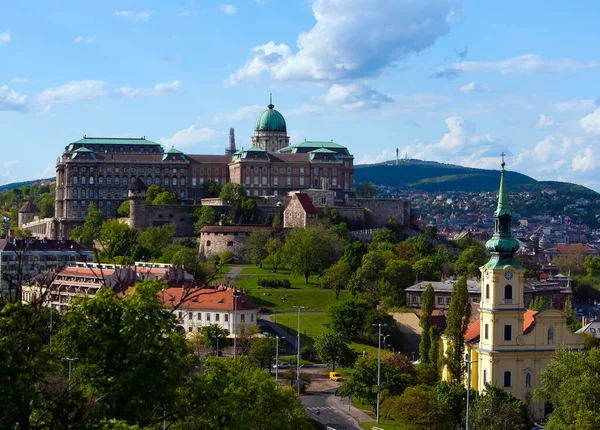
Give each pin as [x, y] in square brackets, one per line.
[282, 300]
[372, 425]
[250, 275]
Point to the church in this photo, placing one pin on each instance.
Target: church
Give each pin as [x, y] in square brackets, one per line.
[509, 345]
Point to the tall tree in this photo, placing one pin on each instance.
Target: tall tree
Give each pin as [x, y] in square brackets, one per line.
[348, 316]
[275, 253]
[434, 349]
[310, 250]
[205, 215]
[165, 198]
[457, 322]
[353, 254]
[256, 247]
[156, 239]
[427, 307]
[366, 190]
[337, 277]
[262, 351]
[470, 260]
[214, 336]
[496, 409]
[417, 408]
[333, 348]
[90, 230]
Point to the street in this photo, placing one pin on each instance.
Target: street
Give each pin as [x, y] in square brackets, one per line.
[319, 409]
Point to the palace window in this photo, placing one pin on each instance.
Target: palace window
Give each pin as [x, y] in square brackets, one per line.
[275, 169]
[75, 193]
[226, 317]
[289, 180]
[207, 316]
[508, 332]
[301, 170]
[117, 180]
[302, 180]
[507, 379]
[125, 180]
[334, 181]
[157, 181]
[101, 180]
[182, 180]
[216, 317]
[508, 294]
[264, 180]
[75, 180]
[109, 180]
[275, 180]
[174, 181]
[193, 182]
[264, 170]
[289, 170]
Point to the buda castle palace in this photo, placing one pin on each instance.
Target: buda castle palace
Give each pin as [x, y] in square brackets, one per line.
[99, 171]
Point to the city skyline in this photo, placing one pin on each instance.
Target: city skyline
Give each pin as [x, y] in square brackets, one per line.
[449, 81]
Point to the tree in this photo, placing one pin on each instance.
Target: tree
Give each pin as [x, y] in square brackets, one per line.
[214, 336]
[256, 246]
[363, 378]
[124, 209]
[427, 307]
[90, 230]
[156, 239]
[116, 238]
[165, 198]
[275, 253]
[417, 408]
[427, 269]
[205, 216]
[571, 384]
[434, 350]
[353, 254]
[538, 304]
[185, 258]
[211, 189]
[573, 261]
[310, 250]
[219, 398]
[424, 246]
[469, 261]
[457, 322]
[337, 277]
[233, 192]
[46, 204]
[401, 363]
[262, 351]
[348, 316]
[132, 369]
[592, 266]
[496, 409]
[454, 397]
[366, 190]
[333, 348]
[152, 192]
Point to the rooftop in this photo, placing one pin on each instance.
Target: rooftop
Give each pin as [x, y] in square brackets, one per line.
[444, 286]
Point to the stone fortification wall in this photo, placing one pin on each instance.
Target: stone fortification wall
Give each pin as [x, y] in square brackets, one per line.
[382, 209]
[181, 216]
[214, 240]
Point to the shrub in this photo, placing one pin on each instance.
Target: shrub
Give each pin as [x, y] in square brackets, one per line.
[309, 353]
[274, 283]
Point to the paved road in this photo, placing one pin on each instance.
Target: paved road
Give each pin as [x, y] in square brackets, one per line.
[319, 409]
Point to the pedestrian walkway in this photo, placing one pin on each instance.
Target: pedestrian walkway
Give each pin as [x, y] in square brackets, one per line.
[344, 405]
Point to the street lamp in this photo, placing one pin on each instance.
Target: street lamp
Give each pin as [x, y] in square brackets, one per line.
[393, 349]
[298, 349]
[70, 360]
[276, 359]
[379, 366]
[468, 363]
[235, 297]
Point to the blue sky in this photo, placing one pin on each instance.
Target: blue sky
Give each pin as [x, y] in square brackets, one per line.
[451, 81]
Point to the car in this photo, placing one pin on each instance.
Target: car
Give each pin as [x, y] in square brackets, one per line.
[282, 365]
[335, 376]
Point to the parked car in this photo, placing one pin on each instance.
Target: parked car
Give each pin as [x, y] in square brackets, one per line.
[282, 365]
[335, 376]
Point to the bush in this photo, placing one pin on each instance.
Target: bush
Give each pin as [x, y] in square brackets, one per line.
[309, 353]
[274, 283]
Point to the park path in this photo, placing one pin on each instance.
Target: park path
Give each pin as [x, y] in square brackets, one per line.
[235, 272]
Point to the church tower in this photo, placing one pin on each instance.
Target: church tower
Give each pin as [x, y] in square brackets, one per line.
[502, 307]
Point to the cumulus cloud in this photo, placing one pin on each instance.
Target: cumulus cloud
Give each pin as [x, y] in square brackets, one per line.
[526, 64]
[188, 136]
[5, 37]
[82, 39]
[242, 113]
[228, 9]
[544, 121]
[575, 105]
[73, 91]
[591, 122]
[472, 87]
[10, 100]
[355, 96]
[133, 15]
[347, 43]
[158, 90]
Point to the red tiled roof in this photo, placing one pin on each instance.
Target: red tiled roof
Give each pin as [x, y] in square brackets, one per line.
[220, 298]
[573, 247]
[29, 208]
[221, 159]
[306, 203]
[474, 329]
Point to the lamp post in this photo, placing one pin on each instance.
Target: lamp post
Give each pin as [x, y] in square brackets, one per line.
[70, 360]
[50, 341]
[468, 363]
[379, 366]
[276, 359]
[393, 349]
[235, 297]
[298, 349]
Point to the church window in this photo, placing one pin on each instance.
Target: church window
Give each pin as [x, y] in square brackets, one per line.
[550, 335]
[507, 379]
[508, 293]
[528, 378]
[486, 331]
[508, 332]
[487, 291]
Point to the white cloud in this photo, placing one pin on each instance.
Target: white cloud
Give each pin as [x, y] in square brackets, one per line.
[6, 175]
[5, 37]
[158, 90]
[472, 87]
[73, 91]
[133, 15]
[188, 136]
[526, 64]
[386, 155]
[82, 39]
[575, 105]
[18, 80]
[10, 100]
[584, 161]
[544, 121]
[352, 39]
[591, 122]
[243, 113]
[355, 96]
[228, 9]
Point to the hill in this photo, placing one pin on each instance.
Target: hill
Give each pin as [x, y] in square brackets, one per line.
[13, 185]
[433, 177]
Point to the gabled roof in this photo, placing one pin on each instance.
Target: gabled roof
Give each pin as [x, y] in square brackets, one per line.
[29, 208]
[174, 151]
[474, 328]
[306, 203]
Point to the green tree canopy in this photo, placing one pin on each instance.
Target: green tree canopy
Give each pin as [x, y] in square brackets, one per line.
[457, 322]
[366, 190]
[204, 215]
[262, 351]
[427, 307]
[275, 253]
[496, 409]
[156, 239]
[90, 230]
[124, 209]
[214, 336]
[470, 260]
[348, 316]
[337, 277]
[256, 246]
[333, 348]
[165, 198]
[417, 408]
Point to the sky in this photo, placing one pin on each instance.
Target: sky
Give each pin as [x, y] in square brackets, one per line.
[444, 80]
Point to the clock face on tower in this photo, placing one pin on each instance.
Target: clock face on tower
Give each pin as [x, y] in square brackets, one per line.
[508, 275]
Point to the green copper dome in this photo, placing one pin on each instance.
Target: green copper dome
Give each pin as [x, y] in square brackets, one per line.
[270, 120]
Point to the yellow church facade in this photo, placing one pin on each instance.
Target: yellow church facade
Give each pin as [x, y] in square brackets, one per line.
[509, 345]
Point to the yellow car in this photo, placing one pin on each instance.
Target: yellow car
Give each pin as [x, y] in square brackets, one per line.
[335, 376]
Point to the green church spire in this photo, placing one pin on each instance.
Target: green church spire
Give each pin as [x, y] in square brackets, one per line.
[502, 208]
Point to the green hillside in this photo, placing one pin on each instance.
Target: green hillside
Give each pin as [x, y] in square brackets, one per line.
[434, 177]
[13, 185]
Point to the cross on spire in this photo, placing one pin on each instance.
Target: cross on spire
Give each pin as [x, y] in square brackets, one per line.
[503, 163]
